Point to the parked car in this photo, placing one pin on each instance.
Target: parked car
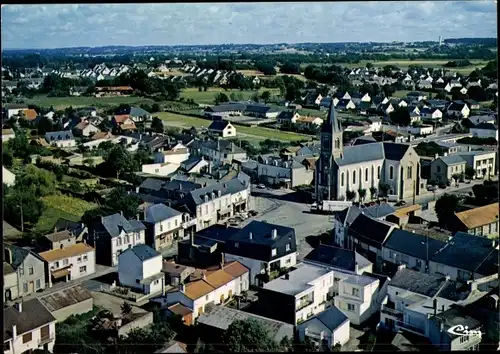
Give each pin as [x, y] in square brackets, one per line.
[442, 186]
[400, 203]
[431, 188]
[253, 212]
[261, 186]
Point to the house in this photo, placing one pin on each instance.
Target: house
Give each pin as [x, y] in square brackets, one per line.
[479, 221]
[476, 119]
[485, 130]
[421, 130]
[310, 121]
[263, 248]
[176, 155]
[217, 319]
[163, 226]
[297, 295]
[123, 122]
[222, 128]
[77, 229]
[29, 114]
[466, 257]
[7, 134]
[227, 109]
[445, 167]
[137, 114]
[28, 326]
[417, 95]
[56, 240]
[213, 288]
[345, 104]
[221, 152]
[330, 326]
[410, 249]
[85, 128]
[424, 84]
[275, 171]
[26, 271]
[110, 235]
[140, 268]
[287, 117]
[337, 258]
[61, 139]
[14, 109]
[431, 113]
[75, 300]
[483, 162]
[8, 178]
[175, 274]
[194, 164]
[261, 111]
[69, 263]
[357, 98]
[440, 104]
[458, 109]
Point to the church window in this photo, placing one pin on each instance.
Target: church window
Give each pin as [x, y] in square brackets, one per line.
[378, 172]
[342, 179]
[366, 175]
[409, 172]
[391, 172]
[353, 177]
[337, 143]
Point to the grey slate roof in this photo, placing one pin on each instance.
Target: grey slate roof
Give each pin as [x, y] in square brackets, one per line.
[413, 244]
[452, 160]
[65, 297]
[217, 232]
[360, 153]
[416, 282]
[218, 125]
[229, 107]
[19, 254]
[191, 162]
[230, 187]
[33, 315]
[60, 135]
[138, 112]
[469, 252]
[334, 256]
[159, 212]
[332, 318]
[144, 252]
[226, 146]
[394, 151]
[260, 232]
[485, 126]
[113, 224]
[370, 231]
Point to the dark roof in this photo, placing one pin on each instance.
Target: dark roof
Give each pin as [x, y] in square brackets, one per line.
[413, 244]
[226, 146]
[65, 224]
[381, 278]
[259, 108]
[456, 106]
[218, 125]
[19, 254]
[286, 115]
[191, 162]
[113, 224]
[229, 107]
[65, 297]
[332, 318]
[417, 282]
[455, 316]
[33, 315]
[395, 152]
[469, 252]
[416, 93]
[485, 126]
[232, 186]
[138, 112]
[452, 160]
[159, 212]
[261, 232]
[218, 232]
[370, 231]
[61, 135]
[343, 102]
[334, 256]
[144, 252]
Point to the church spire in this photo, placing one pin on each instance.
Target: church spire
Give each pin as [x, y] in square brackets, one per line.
[332, 124]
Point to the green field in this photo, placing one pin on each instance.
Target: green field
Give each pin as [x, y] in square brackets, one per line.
[207, 97]
[253, 133]
[60, 103]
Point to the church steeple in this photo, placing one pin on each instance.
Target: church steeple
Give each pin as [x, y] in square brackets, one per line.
[331, 124]
[331, 135]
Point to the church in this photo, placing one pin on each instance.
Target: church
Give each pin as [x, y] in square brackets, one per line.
[361, 167]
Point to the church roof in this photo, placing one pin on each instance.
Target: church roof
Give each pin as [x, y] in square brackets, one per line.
[361, 153]
[332, 123]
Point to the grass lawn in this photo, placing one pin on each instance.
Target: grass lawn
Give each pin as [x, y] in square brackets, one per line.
[61, 206]
[60, 103]
[312, 112]
[208, 96]
[254, 133]
[400, 94]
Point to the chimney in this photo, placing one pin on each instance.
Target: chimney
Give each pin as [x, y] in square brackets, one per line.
[118, 322]
[138, 216]
[19, 306]
[442, 308]
[287, 276]
[445, 154]
[121, 212]
[137, 189]
[434, 306]
[191, 238]
[222, 261]
[249, 235]
[274, 233]
[436, 156]
[8, 255]
[14, 332]
[203, 276]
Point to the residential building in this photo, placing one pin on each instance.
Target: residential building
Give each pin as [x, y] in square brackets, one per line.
[345, 104]
[69, 263]
[329, 327]
[417, 95]
[445, 167]
[222, 128]
[195, 164]
[61, 139]
[431, 113]
[310, 121]
[265, 249]
[422, 130]
[28, 326]
[483, 162]
[480, 221]
[336, 258]
[137, 114]
[7, 134]
[485, 130]
[261, 111]
[176, 274]
[85, 128]
[220, 152]
[123, 122]
[8, 178]
[273, 170]
[474, 120]
[466, 257]
[140, 268]
[56, 240]
[110, 235]
[29, 270]
[75, 300]
[458, 109]
[287, 117]
[178, 154]
[473, 105]
[164, 225]
[77, 229]
[227, 109]
[215, 287]
[297, 295]
[340, 169]
[14, 109]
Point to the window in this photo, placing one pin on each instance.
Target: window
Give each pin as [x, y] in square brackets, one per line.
[288, 245]
[418, 263]
[378, 172]
[342, 179]
[38, 284]
[21, 271]
[6, 346]
[355, 292]
[85, 257]
[83, 269]
[206, 297]
[118, 241]
[137, 236]
[288, 261]
[337, 143]
[176, 222]
[161, 227]
[353, 177]
[408, 174]
[56, 264]
[391, 172]
[206, 209]
[438, 169]
[79, 259]
[30, 270]
[127, 239]
[366, 175]
[65, 261]
[25, 287]
[27, 337]
[273, 252]
[156, 282]
[236, 245]
[350, 307]
[478, 163]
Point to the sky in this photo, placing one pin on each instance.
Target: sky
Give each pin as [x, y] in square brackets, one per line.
[56, 26]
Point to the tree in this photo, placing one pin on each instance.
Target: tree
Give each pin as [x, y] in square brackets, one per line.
[157, 125]
[373, 192]
[141, 340]
[477, 93]
[362, 194]
[22, 205]
[266, 96]
[119, 160]
[456, 178]
[221, 97]
[7, 157]
[105, 125]
[400, 116]
[441, 95]
[120, 201]
[350, 195]
[486, 193]
[384, 188]
[126, 308]
[248, 336]
[44, 125]
[40, 181]
[445, 208]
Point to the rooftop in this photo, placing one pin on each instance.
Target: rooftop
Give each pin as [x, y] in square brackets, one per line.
[33, 315]
[66, 252]
[65, 297]
[416, 282]
[479, 216]
[299, 280]
[159, 212]
[412, 244]
[262, 232]
[332, 318]
[337, 257]
[452, 160]
[143, 252]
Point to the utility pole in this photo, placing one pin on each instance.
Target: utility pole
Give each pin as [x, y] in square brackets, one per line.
[22, 216]
[414, 191]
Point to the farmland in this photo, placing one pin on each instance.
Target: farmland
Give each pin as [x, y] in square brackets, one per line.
[60, 103]
[207, 97]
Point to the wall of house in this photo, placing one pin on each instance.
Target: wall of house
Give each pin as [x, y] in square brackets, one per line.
[410, 185]
[489, 230]
[302, 176]
[135, 238]
[364, 303]
[17, 345]
[64, 243]
[322, 289]
[160, 169]
[65, 143]
[75, 309]
[484, 133]
[10, 286]
[25, 278]
[152, 266]
[399, 258]
[76, 263]
[168, 225]
[253, 265]
[140, 322]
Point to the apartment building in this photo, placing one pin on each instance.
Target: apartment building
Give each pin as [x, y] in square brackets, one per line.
[483, 162]
[164, 225]
[329, 327]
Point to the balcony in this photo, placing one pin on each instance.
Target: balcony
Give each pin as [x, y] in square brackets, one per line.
[302, 304]
[315, 335]
[189, 223]
[391, 312]
[45, 340]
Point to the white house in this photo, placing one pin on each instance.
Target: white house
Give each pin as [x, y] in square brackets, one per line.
[28, 326]
[485, 130]
[330, 326]
[61, 139]
[222, 128]
[70, 263]
[139, 268]
[176, 155]
[431, 113]
[8, 178]
[458, 109]
[481, 160]
[311, 121]
[160, 169]
[421, 130]
[216, 287]
[163, 226]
